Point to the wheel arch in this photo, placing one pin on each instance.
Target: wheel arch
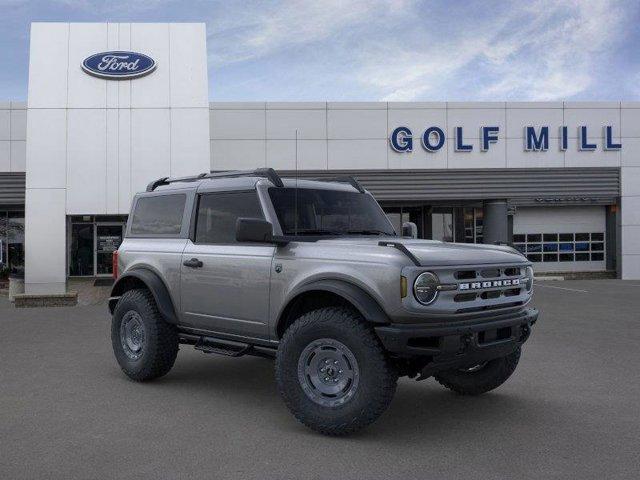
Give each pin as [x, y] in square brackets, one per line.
[145, 278]
[328, 292]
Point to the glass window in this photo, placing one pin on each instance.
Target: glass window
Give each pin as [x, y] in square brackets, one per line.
[597, 257]
[550, 237]
[597, 237]
[218, 212]
[534, 237]
[542, 247]
[81, 250]
[566, 237]
[15, 241]
[582, 237]
[519, 238]
[158, 215]
[328, 212]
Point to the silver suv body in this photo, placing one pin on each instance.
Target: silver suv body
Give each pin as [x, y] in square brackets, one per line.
[249, 263]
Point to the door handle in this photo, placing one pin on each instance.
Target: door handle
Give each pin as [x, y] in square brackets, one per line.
[193, 263]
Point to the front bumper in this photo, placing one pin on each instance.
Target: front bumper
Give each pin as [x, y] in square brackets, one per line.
[459, 345]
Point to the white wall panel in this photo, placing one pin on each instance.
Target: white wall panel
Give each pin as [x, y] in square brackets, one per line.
[312, 154]
[630, 153]
[495, 157]
[354, 154]
[124, 86]
[150, 146]
[282, 124]
[18, 124]
[47, 148]
[18, 156]
[45, 241]
[113, 43]
[630, 211]
[471, 119]
[630, 120]
[357, 124]
[5, 156]
[518, 118]
[86, 91]
[48, 62]
[189, 141]
[598, 158]
[124, 161]
[86, 161]
[237, 124]
[419, 158]
[630, 239]
[152, 91]
[592, 118]
[111, 161]
[188, 72]
[630, 268]
[517, 157]
[237, 154]
[5, 124]
[630, 181]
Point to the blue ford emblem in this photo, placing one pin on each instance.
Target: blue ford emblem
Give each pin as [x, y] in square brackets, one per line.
[118, 65]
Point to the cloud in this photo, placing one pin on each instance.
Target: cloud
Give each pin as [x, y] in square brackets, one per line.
[260, 29]
[540, 51]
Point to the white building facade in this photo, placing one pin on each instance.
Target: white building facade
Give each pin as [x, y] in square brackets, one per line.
[559, 180]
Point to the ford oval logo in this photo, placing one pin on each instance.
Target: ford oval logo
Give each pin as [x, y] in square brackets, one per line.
[118, 65]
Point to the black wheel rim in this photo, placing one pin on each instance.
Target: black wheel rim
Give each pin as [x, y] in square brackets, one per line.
[328, 372]
[132, 334]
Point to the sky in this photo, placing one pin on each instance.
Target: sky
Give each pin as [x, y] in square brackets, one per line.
[377, 50]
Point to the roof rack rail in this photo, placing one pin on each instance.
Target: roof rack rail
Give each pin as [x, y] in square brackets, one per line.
[343, 179]
[268, 173]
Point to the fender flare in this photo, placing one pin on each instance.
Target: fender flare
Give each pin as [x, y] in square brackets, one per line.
[155, 285]
[368, 307]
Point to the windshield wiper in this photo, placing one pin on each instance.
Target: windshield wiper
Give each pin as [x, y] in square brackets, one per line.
[315, 231]
[368, 232]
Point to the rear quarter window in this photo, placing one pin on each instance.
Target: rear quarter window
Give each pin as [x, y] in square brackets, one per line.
[158, 215]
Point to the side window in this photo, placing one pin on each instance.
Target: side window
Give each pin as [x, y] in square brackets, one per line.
[218, 212]
[158, 215]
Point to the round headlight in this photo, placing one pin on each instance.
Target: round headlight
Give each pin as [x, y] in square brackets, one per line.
[529, 278]
[425, 288]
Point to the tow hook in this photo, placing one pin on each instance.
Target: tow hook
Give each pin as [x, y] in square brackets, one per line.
[525, 333]
[465, 341]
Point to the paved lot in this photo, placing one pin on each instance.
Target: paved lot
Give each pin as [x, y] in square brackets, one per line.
[572, 409]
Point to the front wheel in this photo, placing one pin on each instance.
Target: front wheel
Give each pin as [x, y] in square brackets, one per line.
[481, 378]
[333, 373]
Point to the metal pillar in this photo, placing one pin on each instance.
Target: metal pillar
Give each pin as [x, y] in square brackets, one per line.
[496, 226]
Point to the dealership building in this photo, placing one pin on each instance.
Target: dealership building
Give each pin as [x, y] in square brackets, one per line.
[113, 106]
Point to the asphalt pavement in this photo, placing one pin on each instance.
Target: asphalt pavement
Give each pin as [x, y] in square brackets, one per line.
[571, 410]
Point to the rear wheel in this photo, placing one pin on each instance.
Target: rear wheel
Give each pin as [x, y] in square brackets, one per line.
[144, 344]
[332, 372]
[480, 378]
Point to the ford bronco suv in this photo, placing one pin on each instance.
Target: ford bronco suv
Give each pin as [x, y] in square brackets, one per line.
[312, 273]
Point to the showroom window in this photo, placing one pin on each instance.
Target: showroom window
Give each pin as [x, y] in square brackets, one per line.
[561, 247]
[11, 242]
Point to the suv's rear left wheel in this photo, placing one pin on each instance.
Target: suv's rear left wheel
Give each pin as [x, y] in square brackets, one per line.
[332, 372]
[144, 344]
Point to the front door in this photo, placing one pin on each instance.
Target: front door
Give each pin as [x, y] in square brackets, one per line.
[108, 239]
[225, 284]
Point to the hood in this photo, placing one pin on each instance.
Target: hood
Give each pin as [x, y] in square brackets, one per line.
[436, 253]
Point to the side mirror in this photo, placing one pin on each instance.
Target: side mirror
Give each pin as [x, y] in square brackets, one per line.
[409, 229]
[254, 230]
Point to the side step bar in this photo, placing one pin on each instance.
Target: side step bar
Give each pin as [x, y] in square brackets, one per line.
[221, 346]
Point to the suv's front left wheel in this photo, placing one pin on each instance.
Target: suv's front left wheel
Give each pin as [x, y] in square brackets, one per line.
[333, 373]
[144, 344]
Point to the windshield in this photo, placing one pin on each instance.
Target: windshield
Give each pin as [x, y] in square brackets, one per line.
[328, 212]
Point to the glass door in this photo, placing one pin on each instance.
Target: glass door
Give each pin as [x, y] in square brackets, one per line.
[81, 256]
[108, 238]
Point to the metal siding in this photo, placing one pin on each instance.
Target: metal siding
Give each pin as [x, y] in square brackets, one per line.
[12, 188]
[520, 186]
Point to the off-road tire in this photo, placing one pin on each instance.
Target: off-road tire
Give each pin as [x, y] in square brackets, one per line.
[160, 346]
[377, 377]
[489, 377]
